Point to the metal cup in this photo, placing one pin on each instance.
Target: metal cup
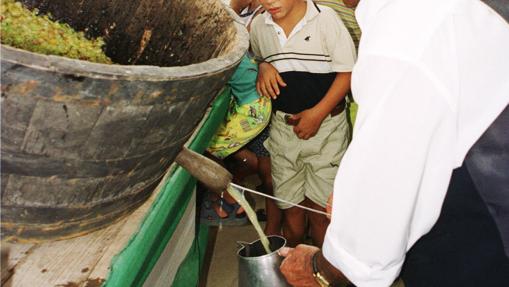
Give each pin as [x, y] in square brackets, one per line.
[259, 269]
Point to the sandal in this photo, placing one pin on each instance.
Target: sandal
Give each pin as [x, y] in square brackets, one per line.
[209, 216]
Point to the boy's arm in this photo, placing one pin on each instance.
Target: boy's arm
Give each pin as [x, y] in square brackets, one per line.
[309, 120]
[253, 40]
[268, 76]
[268, 80]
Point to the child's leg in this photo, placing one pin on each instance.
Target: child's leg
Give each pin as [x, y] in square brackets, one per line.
[246, 163]
[288, 175]
[274, 214]
[325, 151]
[317, 223]
[294, 226]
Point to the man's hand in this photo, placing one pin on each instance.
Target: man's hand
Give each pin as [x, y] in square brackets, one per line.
[297, 266]
[308, 125]
[268, 81]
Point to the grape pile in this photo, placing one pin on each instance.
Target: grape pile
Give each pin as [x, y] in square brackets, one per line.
[28, 30]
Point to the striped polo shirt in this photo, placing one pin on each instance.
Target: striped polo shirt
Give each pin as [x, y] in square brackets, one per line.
[308, 59]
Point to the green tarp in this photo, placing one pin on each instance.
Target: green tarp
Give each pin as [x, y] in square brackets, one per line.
[134, 263]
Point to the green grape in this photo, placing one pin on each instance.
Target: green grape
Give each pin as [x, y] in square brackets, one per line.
[28, 30]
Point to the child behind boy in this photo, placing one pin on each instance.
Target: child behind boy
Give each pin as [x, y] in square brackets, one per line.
[314, 54]
[240, 138]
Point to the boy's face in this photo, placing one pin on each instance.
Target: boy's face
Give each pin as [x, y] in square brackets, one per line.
[279, 9]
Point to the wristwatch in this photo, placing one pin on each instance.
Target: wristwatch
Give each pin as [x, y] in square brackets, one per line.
[320, 279]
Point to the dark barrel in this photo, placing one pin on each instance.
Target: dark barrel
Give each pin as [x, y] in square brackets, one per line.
[83, 143]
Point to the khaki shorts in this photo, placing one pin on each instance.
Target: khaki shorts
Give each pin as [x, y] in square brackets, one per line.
[306, 168]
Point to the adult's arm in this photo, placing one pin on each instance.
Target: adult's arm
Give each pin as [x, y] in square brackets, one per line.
[389, 187]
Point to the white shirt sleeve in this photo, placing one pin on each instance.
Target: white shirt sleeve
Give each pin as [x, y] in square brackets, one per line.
[402, 135]
[253, 40]
[337, 41]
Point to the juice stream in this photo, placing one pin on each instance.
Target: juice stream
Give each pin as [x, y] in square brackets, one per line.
[251, 215]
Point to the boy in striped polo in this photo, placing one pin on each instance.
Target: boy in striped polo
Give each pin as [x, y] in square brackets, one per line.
[314, 54]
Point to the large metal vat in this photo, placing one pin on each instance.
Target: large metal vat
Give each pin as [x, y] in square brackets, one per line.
[84, 144]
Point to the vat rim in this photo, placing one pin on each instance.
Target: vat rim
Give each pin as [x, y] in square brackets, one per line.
[88, 69]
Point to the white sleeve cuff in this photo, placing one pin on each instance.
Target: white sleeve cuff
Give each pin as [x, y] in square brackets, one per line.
[356, 271]
[342, 68]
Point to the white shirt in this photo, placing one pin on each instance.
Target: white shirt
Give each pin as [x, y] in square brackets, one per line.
[319, 43]
[431, 76]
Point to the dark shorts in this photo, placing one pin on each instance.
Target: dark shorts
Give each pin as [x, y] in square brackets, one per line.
[256, 144]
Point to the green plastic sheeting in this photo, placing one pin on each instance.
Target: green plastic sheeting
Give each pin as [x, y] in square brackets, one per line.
[189, 271]
[133, 264]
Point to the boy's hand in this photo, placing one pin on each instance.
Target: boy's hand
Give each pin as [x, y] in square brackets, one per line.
[268, 81]
[308, 123]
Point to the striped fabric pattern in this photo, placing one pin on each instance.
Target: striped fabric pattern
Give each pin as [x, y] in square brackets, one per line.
[347, 15]
[298, 56]
[293, 61]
